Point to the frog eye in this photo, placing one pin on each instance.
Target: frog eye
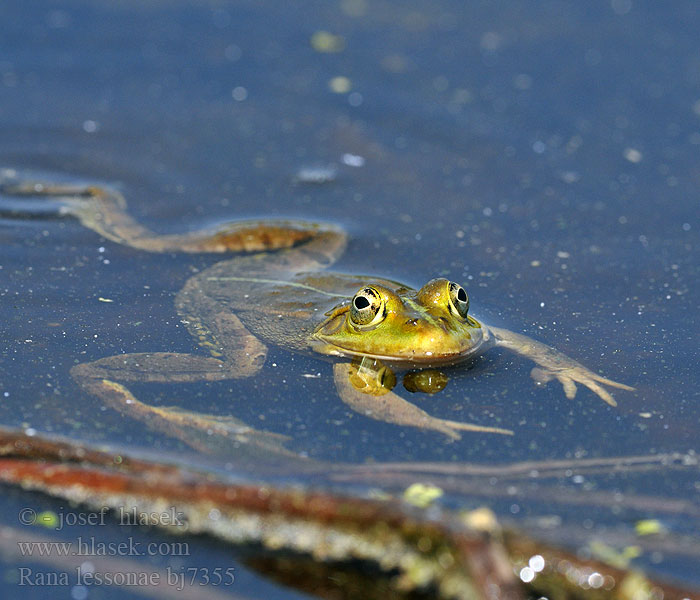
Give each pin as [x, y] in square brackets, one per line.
[367, 307]
[459, 301]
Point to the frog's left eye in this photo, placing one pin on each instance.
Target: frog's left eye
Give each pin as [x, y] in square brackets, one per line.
[459, 301]
[367, 307]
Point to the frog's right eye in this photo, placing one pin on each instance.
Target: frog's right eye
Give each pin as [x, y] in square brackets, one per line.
[367, 307]
[459, 301]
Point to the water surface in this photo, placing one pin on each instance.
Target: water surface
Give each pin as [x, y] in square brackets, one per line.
[545, 155]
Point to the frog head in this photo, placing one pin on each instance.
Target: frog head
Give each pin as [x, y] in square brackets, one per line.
[430, 326]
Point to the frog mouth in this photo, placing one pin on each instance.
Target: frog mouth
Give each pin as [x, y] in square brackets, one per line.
[326, 345]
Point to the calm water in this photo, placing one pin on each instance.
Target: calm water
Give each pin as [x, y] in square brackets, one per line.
[546, 155]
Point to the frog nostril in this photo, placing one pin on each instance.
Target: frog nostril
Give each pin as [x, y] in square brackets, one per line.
[413, 322]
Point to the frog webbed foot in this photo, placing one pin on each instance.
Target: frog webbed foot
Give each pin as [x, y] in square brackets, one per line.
[569, 377]
[100, 208]
[219, 435]
[212, 434]
[46, 198]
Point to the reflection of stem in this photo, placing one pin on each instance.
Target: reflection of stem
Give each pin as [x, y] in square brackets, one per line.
[620, 537]
[546, 468]
[468, 479]
[554, 495]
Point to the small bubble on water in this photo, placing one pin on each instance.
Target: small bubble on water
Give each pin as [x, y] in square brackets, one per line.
[90, 126]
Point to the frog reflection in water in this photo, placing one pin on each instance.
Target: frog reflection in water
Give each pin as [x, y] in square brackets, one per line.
[281, 295]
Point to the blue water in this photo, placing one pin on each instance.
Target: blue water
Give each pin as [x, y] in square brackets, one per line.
[543, 154]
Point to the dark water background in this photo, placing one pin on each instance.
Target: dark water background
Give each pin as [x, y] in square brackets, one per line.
[546, 155]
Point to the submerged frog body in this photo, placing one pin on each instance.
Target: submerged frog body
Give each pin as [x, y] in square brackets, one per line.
[282, 295]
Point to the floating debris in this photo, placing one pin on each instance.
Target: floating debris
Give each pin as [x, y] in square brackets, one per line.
[649, 527]
[353, 160]
[317, 174]
[422, 495]
[340, 85]
[632, 154]
[326, 42]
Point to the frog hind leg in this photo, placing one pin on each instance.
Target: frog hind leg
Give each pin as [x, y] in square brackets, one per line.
[209, 434]
[103, 209]
[241, 356]
[552, 364]
[360, 393]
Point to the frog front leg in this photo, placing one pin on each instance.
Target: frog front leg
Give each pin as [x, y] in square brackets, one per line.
[104, 210]
[365, 386]
[555, 365]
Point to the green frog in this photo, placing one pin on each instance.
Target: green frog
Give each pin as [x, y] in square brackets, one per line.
[281, 293]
